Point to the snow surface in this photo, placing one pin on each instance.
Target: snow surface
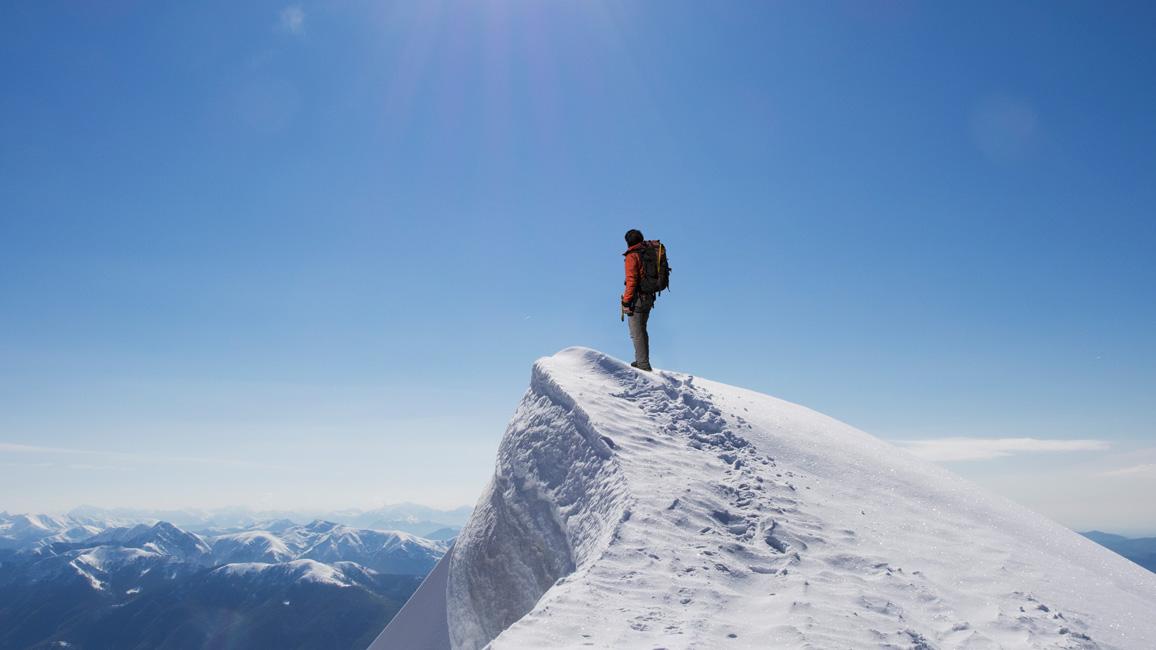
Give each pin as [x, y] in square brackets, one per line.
[663, 511]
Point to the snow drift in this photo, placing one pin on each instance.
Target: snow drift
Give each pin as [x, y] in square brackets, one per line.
[664, 511]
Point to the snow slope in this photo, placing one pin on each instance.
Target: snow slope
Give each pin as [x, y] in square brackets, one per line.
[635, 510]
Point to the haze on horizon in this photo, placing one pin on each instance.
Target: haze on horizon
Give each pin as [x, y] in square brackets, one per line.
[302, 255]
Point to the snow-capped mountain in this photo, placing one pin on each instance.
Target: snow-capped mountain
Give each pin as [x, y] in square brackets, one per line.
[326, 542]
[660, 510]
[408, 517]
[162, 538]
[405, 517]
[293, 571]
[252, 546]
[21, 531]
[144, 548]
[132, 586]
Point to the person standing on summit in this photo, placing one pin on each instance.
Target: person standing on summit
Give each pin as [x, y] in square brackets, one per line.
[647, 274]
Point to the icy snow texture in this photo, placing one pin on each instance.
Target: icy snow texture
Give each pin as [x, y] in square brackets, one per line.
[552, 506]
[636, 510]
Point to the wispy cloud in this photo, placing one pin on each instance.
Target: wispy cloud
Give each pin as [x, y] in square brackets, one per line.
[293, 20]
[33, 449]
[956, 449]
[99, 468]
[129, 457]
[32, 465]
[1147, 470]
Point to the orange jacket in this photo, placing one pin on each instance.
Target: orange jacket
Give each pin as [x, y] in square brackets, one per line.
[633, 274]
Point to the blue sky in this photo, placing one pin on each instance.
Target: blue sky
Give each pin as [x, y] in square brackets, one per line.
[304, 254]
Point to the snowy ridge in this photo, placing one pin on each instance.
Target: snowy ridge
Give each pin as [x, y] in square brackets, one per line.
[385, 551]
[251, 547]
[30, 530]
[406, 517]
[633, 510]
[318, 586]
[123, 559]
[295, 571]
[18, 531]
[551, 507]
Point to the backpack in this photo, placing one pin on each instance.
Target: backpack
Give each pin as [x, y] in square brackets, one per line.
[655, 268]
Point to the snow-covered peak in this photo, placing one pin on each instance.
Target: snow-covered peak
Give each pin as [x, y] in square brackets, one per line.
[252, 546]
[389, 552]
[286, 573]
[164, 538]
[660, 510]
[386, 551]
[32, 530]
[30, 525]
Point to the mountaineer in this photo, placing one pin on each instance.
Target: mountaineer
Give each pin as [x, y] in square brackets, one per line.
[647, 274]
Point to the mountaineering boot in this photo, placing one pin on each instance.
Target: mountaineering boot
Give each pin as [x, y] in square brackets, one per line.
[634, 364]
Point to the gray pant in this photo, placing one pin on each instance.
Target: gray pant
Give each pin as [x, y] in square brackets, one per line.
[642, 306]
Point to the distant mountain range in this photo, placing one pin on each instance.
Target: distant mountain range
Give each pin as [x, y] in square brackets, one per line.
[74, 581]
[1142, 551]
[18, 531]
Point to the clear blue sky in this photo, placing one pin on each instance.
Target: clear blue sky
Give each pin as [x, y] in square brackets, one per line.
[304, 254]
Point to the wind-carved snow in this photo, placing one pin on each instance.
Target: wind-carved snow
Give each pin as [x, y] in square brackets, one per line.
[658, 510]
[553, 504]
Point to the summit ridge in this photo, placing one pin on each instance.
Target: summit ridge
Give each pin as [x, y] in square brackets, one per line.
[662, 510]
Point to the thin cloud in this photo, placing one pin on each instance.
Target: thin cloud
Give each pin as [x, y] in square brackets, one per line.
[959, 449]
[99, 468]
[293, 20]
[151, 459]
[1147, 470]
[33, 465]
[33, 449]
